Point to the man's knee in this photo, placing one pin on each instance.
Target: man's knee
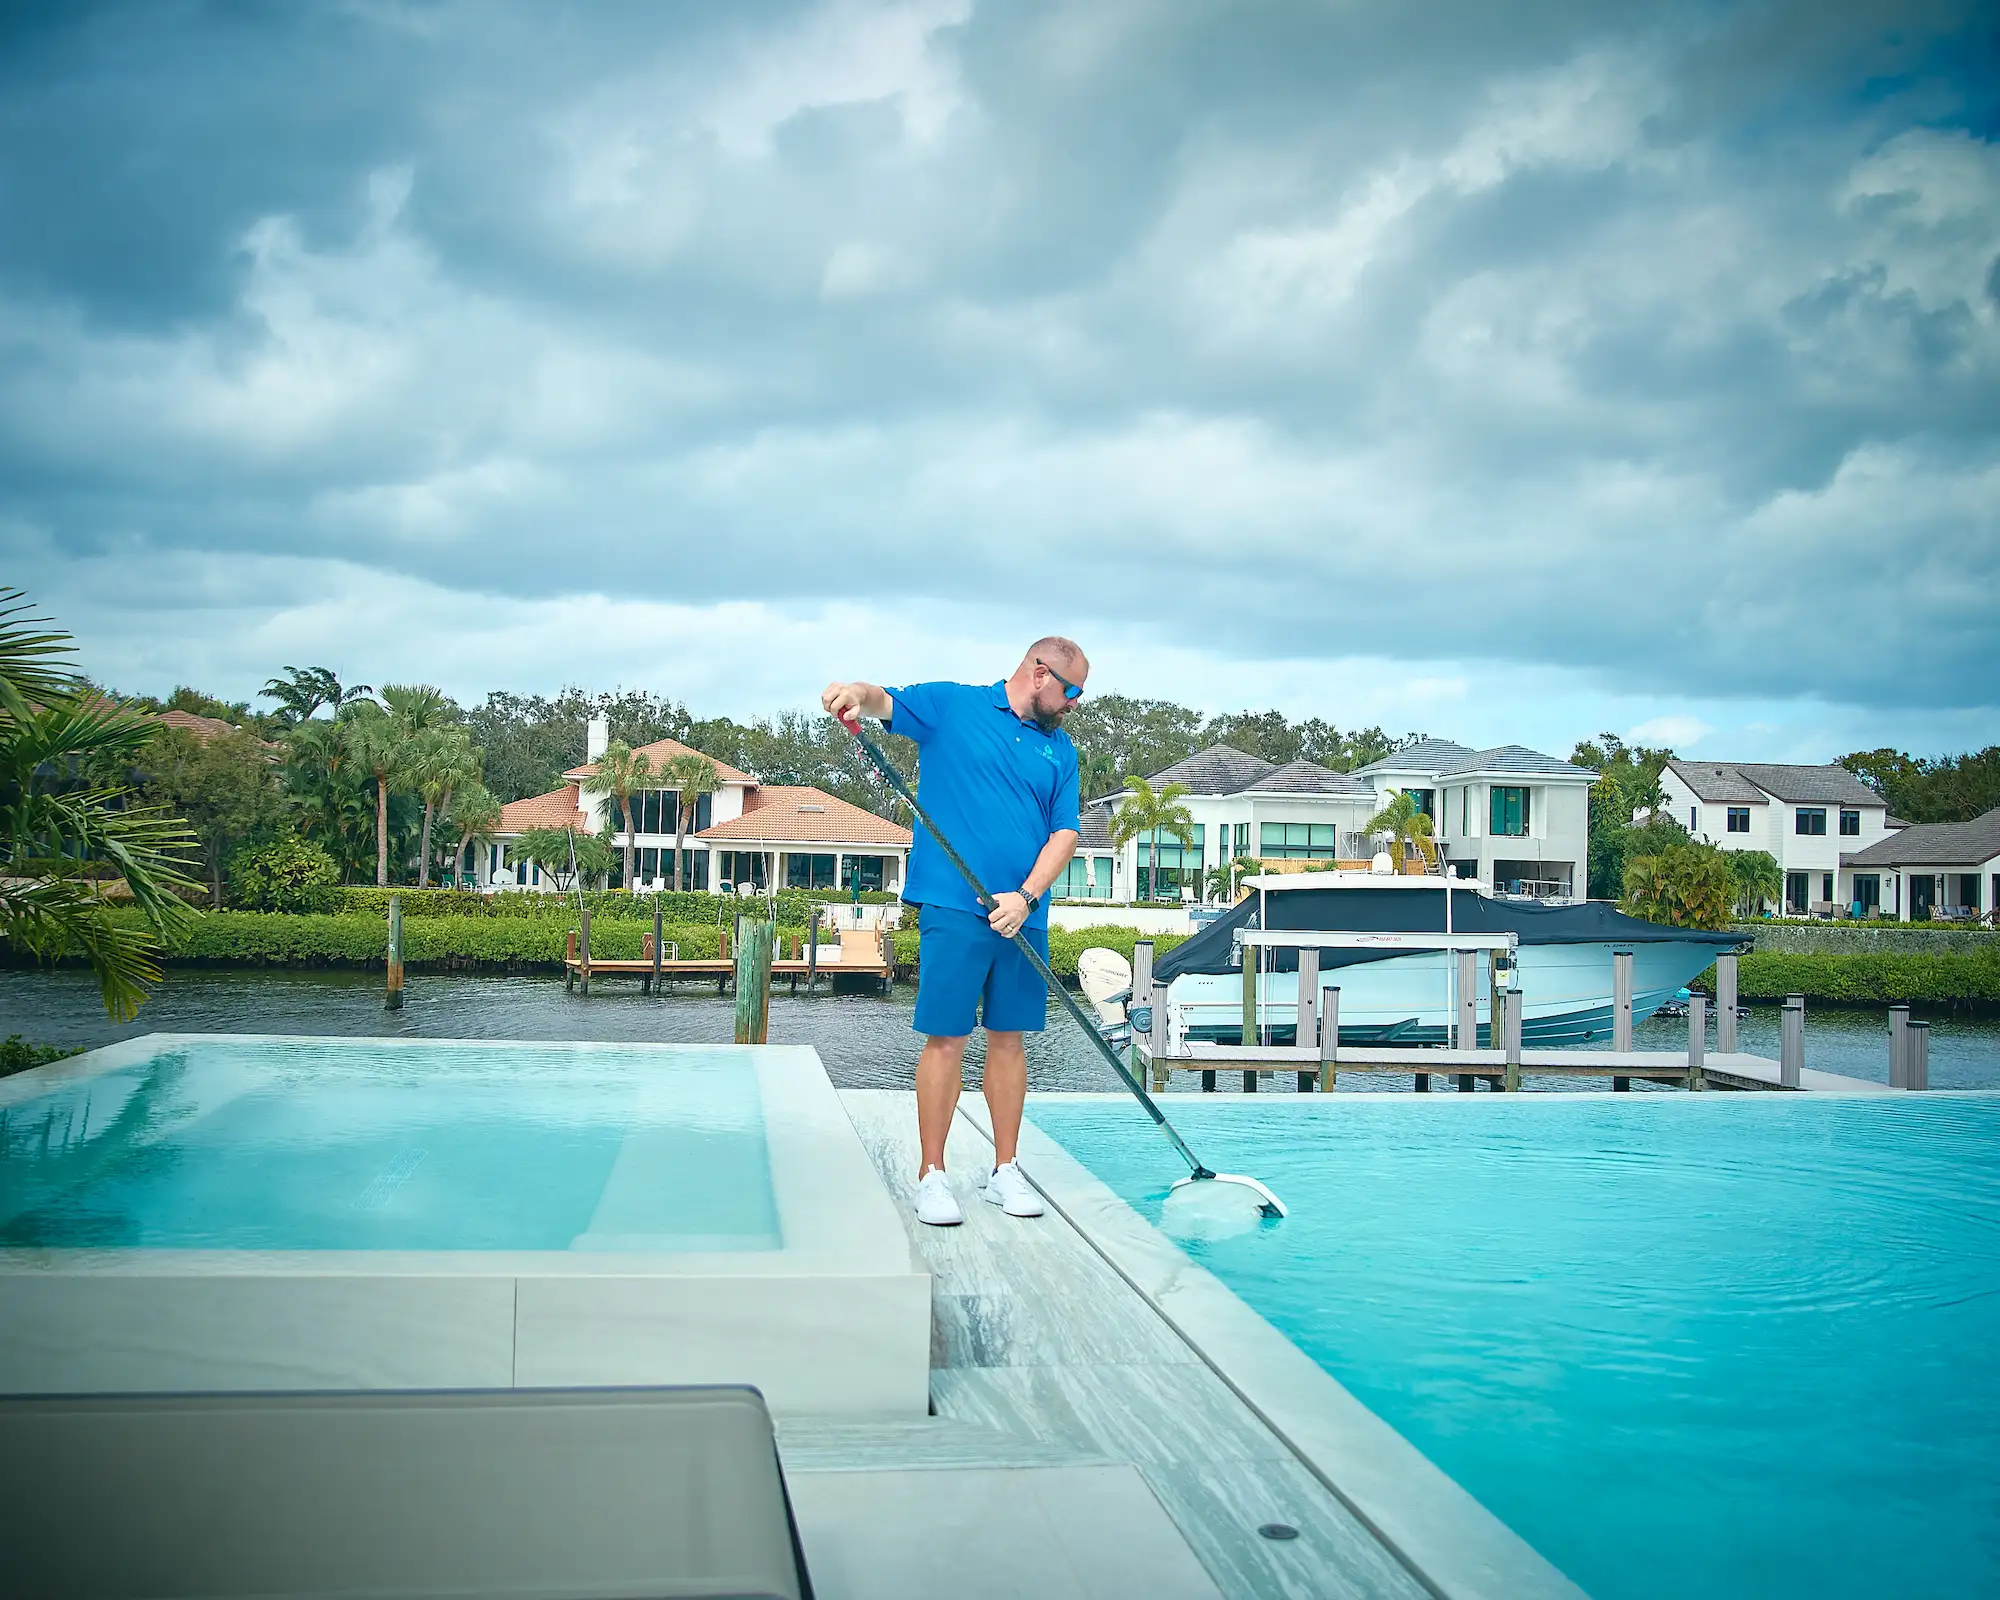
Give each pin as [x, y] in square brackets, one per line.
[1004, 1039]
[945, 1044]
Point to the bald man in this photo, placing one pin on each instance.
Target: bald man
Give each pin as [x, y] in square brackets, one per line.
[999, 776]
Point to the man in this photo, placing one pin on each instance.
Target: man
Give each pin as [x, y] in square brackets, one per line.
[999, 776]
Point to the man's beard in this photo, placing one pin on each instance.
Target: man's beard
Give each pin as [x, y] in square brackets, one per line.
[1048, 721]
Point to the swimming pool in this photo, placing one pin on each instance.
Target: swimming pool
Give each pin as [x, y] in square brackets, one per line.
[231, 1211]
[1709, 1345]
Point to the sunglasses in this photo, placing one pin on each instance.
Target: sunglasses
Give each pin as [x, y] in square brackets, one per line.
[1071, 691]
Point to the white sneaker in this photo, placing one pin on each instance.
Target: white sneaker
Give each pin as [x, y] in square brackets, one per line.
[1008, 1189]
[935, 1203]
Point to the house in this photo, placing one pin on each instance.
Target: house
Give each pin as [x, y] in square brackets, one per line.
[1512, 818]
[1515, 819]
[1929, 869]
[1808, 817]
[746, 833]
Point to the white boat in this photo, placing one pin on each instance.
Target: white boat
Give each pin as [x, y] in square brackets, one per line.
[1394, 990]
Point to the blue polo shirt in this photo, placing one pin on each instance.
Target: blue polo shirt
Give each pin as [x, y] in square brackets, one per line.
[996, 785]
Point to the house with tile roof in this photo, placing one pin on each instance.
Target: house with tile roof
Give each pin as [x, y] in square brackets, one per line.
[746, 833]
[1532, 838]
[1932, 869]
[1810, 819]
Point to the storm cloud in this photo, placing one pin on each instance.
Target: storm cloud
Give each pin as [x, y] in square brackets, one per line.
[1650, 354]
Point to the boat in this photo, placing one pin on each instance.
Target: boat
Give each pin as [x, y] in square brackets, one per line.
[1386, 945]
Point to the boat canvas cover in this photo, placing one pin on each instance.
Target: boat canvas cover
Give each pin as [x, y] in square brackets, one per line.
[1363, 910]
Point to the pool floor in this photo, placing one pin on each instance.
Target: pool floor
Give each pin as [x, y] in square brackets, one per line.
[1718, 1345]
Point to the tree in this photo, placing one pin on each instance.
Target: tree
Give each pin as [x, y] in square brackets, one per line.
[1755, 879]
[1145, 811]
[1224, 878]
[326, 785]
[473, 814]
[620, 771]
[532, 740]
[690, 777]
[60, 822]
[1931, 789]
[1405, 825]
[225, 787]
[437, 761]
[303, 690]
[377, 745]
[564, 852]
[1628, 783]
[1687, 885]
[288, 874]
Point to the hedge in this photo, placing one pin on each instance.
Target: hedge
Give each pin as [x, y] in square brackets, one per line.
[1946, 980]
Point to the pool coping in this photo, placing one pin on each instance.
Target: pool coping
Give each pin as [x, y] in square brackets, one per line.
[486, 1318]
[1450, 1542]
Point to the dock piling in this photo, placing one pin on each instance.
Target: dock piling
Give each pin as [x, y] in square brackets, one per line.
[1468, 1001]
[1621, 1003]
[653, 983]
[1250, 1012]
[1899, 1047]
[583, 946]
[1329, 1040]
[1792, 1042]
[1725, 1005]
[1697, 1041]
[1308, 1024]
[812, 952]
[1510, 1000]
[753, 982]
[1917, 1056]
[393, 999]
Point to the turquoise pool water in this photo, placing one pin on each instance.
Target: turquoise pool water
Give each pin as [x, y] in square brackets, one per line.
[1711, 1345]
[356, 1144]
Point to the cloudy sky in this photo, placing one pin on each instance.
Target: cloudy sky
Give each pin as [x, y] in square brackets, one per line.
[1506, 371]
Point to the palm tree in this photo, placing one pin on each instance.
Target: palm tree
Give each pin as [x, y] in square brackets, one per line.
[472, 813]
[378, 745]
[438, 761]
[324, 783]
[1405, 825]
[621, 770]
[60, 817]
[690, 776]
[1756, 878]
[303, 690]
[1146, 811]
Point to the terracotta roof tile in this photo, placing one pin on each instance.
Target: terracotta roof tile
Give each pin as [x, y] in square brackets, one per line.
[783, 814]
[556, 809]
[662, 750]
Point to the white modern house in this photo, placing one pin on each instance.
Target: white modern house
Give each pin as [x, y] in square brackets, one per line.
[1512, 818]
[746, 833]
[1948, 870]
[1810, 819]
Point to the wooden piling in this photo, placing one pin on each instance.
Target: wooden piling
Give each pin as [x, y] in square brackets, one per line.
[1725, 1005]
[1250, 1011]
[653, 983]
[1468, 1001]
[393, 998]
[1329, 1040]
[812, 952]
[1511, 1033]
[1308, 1011]
[1792, 1041]
[753, 982]
[583, 947]
[1621, 1006]
[1899, 1047]
[1697, 1042]
[1917, 1056]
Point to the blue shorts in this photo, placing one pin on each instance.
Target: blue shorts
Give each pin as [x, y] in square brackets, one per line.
[967, 973]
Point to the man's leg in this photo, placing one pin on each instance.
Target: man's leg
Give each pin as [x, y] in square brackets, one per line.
[1006, 1089]
[940, 1070]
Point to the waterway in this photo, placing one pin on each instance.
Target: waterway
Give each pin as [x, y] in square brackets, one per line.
[864, 1039]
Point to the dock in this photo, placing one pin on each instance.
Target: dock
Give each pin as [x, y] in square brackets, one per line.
[860, 953]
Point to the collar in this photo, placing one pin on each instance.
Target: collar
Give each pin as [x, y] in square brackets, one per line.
[999, 694]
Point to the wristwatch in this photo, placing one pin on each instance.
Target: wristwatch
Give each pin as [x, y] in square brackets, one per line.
[1032, 899]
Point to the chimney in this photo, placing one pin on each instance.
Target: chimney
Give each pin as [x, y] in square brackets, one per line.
[597, 738]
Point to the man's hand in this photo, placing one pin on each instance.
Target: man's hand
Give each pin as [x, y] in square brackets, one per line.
[849, 700]
[1010, 911]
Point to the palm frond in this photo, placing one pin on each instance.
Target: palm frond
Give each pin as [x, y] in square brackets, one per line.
[29, 653]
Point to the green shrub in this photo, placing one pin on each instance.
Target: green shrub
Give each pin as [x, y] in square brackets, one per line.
[288, 874]
[1855, 980]
[18, 1054]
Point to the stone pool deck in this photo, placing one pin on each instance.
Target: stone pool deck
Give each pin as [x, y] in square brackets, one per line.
[1080, 1445]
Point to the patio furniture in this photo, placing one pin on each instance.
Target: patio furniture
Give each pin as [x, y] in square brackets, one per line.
[651, 1492]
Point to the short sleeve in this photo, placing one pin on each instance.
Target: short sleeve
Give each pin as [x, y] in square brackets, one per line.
[916, 710]
[1065, 813]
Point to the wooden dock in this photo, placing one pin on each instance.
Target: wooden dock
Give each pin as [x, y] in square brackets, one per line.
[860, 953]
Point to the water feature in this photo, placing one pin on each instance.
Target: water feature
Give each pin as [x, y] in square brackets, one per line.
[864, 1039]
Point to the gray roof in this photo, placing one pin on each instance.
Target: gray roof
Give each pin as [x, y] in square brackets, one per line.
[1220, 769]
[1717, 782]
[1426, 755]
[1308, 777]
[1515, 758]
[1094, 828]
[1935, 844]
[1828, 785]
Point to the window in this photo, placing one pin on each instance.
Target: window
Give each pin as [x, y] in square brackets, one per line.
[1242, 839]
[1510, 811]
[1075, 882]
[1826, 887]
[1739, 819]
[1694, 819]
[864, 870]
[1299, 841]
[1966, 891]
[1850, 824]
[1795, 893]
[1810, 819]
[807, 871]
[1424, 799]
[1176, 868]
[1465, 812]
[1867, 893]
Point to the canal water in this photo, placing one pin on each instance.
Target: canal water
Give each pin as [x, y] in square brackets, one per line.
[864, 1039]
